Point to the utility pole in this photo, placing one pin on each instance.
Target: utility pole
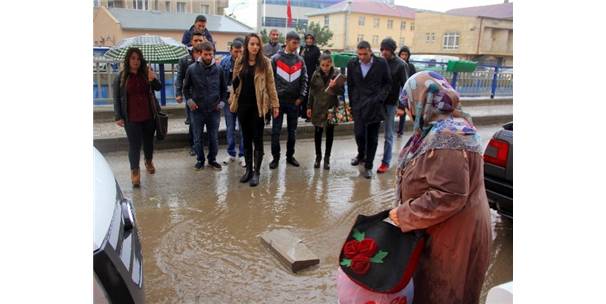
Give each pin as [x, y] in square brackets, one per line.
[347, 15]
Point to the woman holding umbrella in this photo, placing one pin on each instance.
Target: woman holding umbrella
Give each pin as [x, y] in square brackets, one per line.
[133, 109]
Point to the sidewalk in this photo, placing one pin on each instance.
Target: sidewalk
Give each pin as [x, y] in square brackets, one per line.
[107, 137]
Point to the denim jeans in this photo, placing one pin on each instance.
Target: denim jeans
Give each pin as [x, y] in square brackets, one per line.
[389, 129]
[292, 116]
[233, 132]
[401, 123]
[199, 119]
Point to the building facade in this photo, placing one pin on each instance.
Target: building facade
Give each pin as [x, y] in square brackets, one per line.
[483, 34]
[114, 24]
[271, 14]
[210, 7]
[357, 20]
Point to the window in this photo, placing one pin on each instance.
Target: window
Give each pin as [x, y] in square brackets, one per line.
[326, 20]
[167, 5]
[274, 21]
[375, 22]
[141, 4]
[375, 39]
[402, 42]
[427, 38]
[361, 20]
[96, 3]
[402, 25]
[360, 38]
[204, 8]
[451, 41]
[433, 37]
[412, 26]
[180, 7]
[389, 24]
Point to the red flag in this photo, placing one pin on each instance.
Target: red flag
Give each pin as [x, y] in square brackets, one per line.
[288, 13]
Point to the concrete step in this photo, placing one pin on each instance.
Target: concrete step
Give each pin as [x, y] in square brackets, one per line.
[289, 249]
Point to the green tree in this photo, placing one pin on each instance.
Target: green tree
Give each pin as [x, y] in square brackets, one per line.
[265, 37]
[321, 33]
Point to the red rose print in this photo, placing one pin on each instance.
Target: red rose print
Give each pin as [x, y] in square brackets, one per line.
[350, 249]
[368, 247]
[371, 302]
[360, 264]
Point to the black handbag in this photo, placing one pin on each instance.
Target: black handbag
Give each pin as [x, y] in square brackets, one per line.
[160, 117]
[378, 256]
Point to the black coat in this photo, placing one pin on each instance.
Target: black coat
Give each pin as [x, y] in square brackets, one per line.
[121, 102]
[311, 56]
[205, 85]
[181, 69]
[399, 75]
[367, 95]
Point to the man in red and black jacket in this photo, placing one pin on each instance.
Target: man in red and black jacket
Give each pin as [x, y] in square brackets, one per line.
[291, 84]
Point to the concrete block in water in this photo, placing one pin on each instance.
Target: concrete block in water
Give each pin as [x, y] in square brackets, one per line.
[290, 250]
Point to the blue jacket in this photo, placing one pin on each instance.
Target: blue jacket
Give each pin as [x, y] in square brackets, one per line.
[187, 36]
[181, 69]
[205, 84]
[227, 66]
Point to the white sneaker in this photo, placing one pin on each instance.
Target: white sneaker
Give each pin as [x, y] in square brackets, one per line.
[229, 159]
[242, 162]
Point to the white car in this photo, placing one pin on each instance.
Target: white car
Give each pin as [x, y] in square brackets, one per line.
[117, 259]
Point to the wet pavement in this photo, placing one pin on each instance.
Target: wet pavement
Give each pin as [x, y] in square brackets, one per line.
[200, 229]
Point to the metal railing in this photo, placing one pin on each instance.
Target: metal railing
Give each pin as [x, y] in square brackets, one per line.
[486, 81]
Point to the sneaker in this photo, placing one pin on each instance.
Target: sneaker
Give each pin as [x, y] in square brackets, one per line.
[383, 168]
[274, 163]
[242, 162]
[199, 165]
[214, 165]
[367, 173]
[292, 161]
[229, 159]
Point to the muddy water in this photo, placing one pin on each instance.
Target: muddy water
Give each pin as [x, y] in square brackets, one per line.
[200, 229]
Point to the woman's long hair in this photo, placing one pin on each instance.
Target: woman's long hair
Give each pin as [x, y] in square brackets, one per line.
[142, 71]
[259, 60]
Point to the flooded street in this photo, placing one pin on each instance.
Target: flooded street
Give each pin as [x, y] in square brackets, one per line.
[200, 229]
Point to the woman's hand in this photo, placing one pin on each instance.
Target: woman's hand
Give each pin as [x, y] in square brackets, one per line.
[276, 112]
[150, 73]
[332, 83]
[309, 113]
[120, 123]
[393, 216]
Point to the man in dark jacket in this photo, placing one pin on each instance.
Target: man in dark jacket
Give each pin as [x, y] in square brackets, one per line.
[199, 26]
[196, 38]
[272, 47]
[311, 54]
[368, 85]
[205, 90]
[399, 75]
[404, 54]
[291, 84]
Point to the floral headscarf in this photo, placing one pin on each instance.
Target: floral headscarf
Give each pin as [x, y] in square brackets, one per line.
[439, 122]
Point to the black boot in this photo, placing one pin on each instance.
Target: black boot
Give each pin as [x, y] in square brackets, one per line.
[254, 181]
[318, 160]
[249, 168]
[327, 162]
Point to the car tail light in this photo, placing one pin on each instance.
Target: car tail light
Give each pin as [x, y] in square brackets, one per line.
[497, 152]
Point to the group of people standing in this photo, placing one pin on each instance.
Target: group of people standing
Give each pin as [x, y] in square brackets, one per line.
[257, 83]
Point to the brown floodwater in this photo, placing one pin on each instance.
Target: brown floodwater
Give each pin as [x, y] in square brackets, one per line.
[200, 230]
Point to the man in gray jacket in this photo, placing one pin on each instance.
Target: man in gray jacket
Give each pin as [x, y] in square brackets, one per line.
[272, 47]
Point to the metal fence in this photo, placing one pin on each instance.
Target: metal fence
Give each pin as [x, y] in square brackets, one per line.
[486, 81]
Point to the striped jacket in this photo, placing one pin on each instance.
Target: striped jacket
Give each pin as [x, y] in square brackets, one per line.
[290, 75]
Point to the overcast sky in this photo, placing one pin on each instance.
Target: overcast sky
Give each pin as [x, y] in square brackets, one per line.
[246, 10]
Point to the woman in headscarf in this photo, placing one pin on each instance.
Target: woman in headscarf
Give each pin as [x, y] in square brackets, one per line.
[440, 188]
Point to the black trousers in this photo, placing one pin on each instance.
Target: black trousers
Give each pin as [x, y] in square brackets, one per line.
[252, 127]
[330, 132]
[367, 138]
[140, 133]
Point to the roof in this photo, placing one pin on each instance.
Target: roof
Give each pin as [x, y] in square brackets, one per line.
[155, 20]
[498, 11]
[369, 8]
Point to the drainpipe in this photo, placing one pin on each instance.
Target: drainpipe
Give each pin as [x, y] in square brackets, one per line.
[347, 14]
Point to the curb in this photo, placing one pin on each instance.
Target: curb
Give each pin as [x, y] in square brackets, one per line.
[180, 139]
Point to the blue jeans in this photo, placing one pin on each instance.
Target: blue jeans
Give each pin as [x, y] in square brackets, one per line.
[292, 116]
[389, 129]
[230, 121]
[199, 119]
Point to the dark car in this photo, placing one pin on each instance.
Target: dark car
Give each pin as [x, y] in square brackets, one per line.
[117, 260]
[498, 171]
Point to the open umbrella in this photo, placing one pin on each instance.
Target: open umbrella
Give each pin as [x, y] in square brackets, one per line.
[156, 49]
